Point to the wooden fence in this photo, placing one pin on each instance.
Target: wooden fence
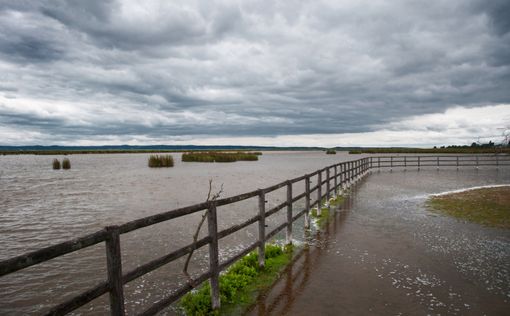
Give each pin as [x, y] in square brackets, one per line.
[336, 177]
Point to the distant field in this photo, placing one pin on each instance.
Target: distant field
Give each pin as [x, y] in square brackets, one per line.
[451, 150]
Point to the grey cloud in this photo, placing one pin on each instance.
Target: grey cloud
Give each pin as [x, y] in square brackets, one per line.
[282, 68]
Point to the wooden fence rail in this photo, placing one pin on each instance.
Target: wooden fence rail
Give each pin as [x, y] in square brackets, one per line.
[337, 177]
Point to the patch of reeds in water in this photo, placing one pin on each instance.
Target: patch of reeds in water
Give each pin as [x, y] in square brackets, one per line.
[66, 164]
[331, 152]
[159, 161]
[214, 156]
[56, 164]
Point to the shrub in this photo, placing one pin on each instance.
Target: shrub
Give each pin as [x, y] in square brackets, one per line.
[66, 164]
[56, 164]
[331, 152]
[158, 161]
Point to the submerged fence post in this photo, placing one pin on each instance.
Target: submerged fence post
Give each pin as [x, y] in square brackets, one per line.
[319, 193]
[262, 228]
[307, 201]
[289, 213]
[114, 267]
[212, 222]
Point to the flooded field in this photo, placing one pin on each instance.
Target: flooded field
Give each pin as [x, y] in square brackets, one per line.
[385, 254]
[41, 207]
[384, 251]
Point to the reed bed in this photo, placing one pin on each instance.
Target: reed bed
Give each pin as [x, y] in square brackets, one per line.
[214, 156]
[56, 164]
[331, 152]
[159, 161]
[66, 164]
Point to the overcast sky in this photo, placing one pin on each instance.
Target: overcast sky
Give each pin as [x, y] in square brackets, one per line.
[310, 73]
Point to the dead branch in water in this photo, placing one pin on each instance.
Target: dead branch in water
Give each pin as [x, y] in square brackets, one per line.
[210, 197]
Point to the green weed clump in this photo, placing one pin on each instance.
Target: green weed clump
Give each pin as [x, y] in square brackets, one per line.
[66, 164]
[239, 284]
[214, 156]
[158, 161]
[56, 164]
[331, 152]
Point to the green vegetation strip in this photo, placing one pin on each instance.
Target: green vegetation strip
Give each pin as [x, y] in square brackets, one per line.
[213, 156]
[489, 206]
[240, 284]
[445, 150]
[331, 152]
[322, 219]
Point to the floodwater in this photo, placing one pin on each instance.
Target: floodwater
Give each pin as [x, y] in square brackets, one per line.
[383, 253]
[41, 207]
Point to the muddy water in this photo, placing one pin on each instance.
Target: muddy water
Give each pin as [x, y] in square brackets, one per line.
[41, 207]
[383, 253]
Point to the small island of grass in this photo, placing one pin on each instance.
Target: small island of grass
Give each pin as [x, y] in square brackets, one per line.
[217, 156]
[487, 206]
[159, 161]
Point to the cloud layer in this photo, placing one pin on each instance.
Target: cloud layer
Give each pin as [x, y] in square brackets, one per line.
[80, 72]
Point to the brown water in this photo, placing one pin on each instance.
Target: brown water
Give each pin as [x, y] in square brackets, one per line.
[383, 253]
[41, 207]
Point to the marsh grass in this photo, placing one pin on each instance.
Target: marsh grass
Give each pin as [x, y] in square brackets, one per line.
[322, 219]
[66, 164]
[488, 206]
[213, 156]
[159, 161]
[56, 164]
[331, 152]
[240, 284]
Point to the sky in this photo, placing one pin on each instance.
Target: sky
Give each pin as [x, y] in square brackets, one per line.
[273, 73]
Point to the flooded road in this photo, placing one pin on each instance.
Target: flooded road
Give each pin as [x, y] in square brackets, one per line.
[383, 253]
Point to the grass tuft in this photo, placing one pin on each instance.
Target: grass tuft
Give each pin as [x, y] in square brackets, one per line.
[56, 164]
[158, 161]
[66, 164]
[239, 285]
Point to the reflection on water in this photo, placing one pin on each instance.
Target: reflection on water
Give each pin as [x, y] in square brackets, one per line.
[41, 207]
[384, 253]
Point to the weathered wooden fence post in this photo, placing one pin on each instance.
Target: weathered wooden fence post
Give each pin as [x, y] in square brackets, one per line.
[319, 193]
[262, 228]
[212, 222]
[335, 183]
[289, 213]
[307, 201]
[114, 269]
[328, 186]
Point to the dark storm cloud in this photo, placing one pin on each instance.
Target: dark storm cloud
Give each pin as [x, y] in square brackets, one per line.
[81, 69]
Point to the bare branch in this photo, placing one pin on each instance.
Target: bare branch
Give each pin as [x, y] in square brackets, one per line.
[210, 197]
